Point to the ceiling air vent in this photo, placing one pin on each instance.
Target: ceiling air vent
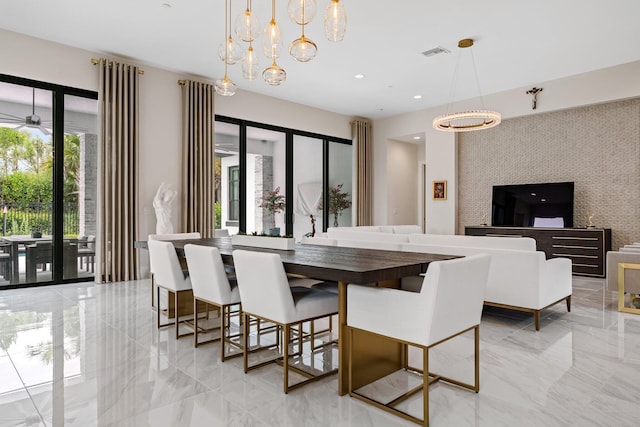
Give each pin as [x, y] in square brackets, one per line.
[435, 51]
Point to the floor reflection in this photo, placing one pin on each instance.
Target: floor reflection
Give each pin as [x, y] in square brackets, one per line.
[86, 354]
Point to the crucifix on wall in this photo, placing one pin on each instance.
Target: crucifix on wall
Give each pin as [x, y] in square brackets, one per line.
[534, 92]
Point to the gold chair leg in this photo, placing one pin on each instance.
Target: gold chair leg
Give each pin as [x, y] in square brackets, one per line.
[285, 351]
[195, 322]
[223, 330]
[175, 312]
[350, 360]
[425, 385]
[153, 286]
[225, 333]
[245, 339]
[157, 304]
[476, 332]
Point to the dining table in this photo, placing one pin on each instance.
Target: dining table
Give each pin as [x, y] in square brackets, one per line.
[41, 255]
[374, 356]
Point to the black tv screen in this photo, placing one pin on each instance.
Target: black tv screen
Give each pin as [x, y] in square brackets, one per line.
[533, 205]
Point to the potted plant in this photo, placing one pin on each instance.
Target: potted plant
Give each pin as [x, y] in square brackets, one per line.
[338, 202]
[275, 203]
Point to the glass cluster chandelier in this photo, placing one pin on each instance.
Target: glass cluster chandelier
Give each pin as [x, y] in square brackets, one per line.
[301, 49]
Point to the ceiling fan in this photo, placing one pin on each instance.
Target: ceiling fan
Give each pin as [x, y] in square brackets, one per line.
[31, 121]
[34, 121]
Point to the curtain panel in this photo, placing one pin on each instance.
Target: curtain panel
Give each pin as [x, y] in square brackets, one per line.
[117, 172]
[198, 158]
[361, 134]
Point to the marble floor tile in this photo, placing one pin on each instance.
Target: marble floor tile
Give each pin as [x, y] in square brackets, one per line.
[91, 355]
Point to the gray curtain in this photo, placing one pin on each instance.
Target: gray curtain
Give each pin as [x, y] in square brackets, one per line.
[198, 158]
[361, 134]
[117, 172]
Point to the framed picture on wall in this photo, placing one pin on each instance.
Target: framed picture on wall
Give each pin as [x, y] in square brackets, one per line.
[439, 190]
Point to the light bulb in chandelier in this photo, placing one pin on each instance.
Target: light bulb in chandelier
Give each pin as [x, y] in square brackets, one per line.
[302, 11]
[303, 49]
[272, 40]
[246, 26]
[225, 86]
[274, 75]
[231, 50]
[250, 64]
[335, 21]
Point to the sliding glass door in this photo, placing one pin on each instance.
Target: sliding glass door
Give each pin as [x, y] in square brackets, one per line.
[340, 184]
[48, 164]
[308, 215]
[266, 181]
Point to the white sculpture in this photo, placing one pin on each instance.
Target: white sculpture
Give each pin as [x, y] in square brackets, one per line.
[162, 204]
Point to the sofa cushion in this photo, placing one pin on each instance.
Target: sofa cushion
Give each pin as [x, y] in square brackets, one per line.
[407, 229]
[350, 234]
[323, 241]
[370, 244]
[632, 249]
[517, 243]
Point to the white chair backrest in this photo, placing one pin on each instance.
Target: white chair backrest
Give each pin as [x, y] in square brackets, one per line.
[173, 236]
[321, 241]
[339, 234]
[220, 232]
[264, 288]
[453, 295]
[168, 272]
[208, 277]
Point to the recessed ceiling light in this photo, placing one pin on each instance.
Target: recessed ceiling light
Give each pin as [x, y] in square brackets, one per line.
[359, 76]
[417, 96]
[416, 138]
[166, 5]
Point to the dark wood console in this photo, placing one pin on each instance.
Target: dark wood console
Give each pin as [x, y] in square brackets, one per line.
[586, 248]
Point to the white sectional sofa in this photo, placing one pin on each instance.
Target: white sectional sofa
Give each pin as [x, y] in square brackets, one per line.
[520, 278]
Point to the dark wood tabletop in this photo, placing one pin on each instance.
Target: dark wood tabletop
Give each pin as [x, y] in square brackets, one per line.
[353, 265]
[345, 266]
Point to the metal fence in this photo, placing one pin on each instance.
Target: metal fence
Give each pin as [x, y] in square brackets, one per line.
[25, 218]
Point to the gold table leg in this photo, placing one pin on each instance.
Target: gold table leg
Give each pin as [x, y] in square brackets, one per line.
[374, 356]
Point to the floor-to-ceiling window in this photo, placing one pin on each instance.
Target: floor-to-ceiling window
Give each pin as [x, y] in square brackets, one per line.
[307, 184]
[282, 178]
[48, 182]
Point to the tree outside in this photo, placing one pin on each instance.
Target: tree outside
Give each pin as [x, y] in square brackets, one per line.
[26, 183]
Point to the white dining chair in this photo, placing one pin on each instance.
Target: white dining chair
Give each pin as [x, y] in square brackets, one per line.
[265, 294]
[211, 286]
[448, 305]
[170, 276]
[163, 237]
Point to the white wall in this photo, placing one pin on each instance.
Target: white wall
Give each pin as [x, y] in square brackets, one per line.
[621, 82]
[402, 173]
[160, 109]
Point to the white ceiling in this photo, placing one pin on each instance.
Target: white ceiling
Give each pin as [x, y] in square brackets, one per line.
[518, 43]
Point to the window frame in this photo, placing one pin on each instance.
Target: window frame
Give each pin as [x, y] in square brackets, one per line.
[289, 190]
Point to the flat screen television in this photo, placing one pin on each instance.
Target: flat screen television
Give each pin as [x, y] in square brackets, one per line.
[533, 205]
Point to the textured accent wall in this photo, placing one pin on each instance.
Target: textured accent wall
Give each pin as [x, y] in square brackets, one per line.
[597, 147]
